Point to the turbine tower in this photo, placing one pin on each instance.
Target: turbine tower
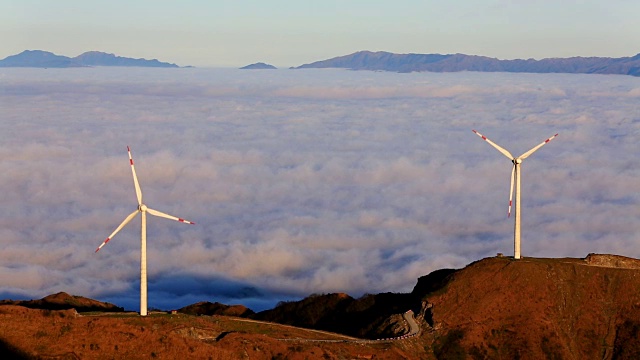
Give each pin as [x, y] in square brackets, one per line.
[143, 210]
[515, 176]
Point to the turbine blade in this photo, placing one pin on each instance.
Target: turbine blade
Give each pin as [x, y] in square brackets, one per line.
[513, 176]
[125, 222]
[135, 178]
[526, 155]
[503, 151]
[167, 216]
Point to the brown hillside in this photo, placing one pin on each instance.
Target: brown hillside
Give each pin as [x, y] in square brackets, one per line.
[64, 301]
[539, 308]
[44, 334]
[495, 308]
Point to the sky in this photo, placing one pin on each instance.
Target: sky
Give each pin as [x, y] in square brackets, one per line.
[288, 33]
[302, 181]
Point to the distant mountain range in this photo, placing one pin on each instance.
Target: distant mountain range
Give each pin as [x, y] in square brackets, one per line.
[386, 61]
[364, 60]
[45, 59]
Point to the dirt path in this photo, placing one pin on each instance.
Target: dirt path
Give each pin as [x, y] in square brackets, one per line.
[414, 329]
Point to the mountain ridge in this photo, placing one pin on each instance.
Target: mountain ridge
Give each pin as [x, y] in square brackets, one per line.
[403, 63]
[46, 59]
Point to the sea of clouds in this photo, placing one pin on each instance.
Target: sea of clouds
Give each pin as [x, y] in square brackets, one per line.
[302, 181]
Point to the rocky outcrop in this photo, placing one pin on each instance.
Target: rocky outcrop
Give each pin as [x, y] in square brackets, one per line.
[613, 261]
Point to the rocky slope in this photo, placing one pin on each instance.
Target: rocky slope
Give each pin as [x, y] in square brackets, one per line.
[369, 317]
[532, 308]
[539, 308]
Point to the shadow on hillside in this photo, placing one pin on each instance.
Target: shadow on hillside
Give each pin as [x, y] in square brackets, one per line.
[79, 308]
[371, 316]
[8, 351]
[433, 282]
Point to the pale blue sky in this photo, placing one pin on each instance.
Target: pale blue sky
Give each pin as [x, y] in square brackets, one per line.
[290, 33]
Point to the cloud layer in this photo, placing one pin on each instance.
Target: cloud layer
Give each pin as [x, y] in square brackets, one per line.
[302, 181]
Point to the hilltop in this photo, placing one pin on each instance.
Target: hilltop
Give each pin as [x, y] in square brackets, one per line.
[532, 308]
[45, 59]
[259, 66]
[64, 301]
[540, 308]
[386, 61]
[216, 308]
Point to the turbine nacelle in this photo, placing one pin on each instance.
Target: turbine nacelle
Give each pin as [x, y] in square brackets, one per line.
[516, 161]
[142, 208]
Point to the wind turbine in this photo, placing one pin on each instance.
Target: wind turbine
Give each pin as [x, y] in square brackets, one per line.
[515, 175]
[143, 210]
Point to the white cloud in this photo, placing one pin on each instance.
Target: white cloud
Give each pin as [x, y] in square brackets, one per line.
[303, 181]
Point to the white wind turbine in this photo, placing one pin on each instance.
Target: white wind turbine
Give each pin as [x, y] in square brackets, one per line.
[143, 210]
[515, 175]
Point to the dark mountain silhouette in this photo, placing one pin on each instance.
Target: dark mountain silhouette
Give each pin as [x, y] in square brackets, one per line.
[209, 308]
[64, 301]
[258, 66]
[369, 317]
[45, 59]
[385, 61]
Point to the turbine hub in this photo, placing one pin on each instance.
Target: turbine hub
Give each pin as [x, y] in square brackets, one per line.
[142, 208]
[517, 161]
